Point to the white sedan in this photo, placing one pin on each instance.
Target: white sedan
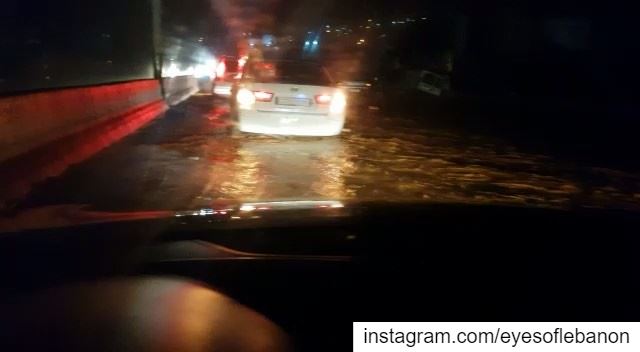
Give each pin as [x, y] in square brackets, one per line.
[289, 98]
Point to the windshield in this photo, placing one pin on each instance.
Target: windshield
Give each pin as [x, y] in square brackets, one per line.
[119, 106]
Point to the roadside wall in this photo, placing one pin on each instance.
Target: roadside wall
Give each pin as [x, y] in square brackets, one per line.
[41, 134]
[32, 120]
[178, 89]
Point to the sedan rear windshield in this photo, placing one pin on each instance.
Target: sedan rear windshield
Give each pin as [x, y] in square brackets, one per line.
[287, 72]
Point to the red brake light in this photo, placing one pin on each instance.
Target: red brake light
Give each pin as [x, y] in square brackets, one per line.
[263, 96]
[323, 99]
[241, 62]
[221, 70]
[265, 66]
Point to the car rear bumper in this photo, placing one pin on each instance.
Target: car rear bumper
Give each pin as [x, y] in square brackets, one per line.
[222, 89]
[290, 124]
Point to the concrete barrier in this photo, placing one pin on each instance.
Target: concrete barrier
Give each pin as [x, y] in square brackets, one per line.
[33, 120]
[178, 89]
[42, 134]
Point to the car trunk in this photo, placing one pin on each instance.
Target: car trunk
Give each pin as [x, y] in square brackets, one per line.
[292, 98]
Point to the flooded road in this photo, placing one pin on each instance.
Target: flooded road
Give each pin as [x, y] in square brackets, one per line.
[188, 159]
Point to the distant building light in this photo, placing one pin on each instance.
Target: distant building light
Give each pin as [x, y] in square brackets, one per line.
[393, 22]
[424, 18]
[370, 20]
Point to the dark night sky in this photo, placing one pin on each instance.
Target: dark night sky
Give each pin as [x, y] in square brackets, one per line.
[250, 15]
[266, 13]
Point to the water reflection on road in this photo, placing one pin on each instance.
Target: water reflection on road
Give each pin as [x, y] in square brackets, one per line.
[188, 159]
[267, 168]
[391, 160]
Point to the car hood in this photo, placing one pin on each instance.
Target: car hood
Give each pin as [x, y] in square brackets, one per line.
[58, 216]
[263, 214]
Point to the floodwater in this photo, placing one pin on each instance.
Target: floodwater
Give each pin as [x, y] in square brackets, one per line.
[188, 159]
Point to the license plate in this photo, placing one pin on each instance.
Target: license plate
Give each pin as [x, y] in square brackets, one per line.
[293, 101]
[354, 90]
[288, 120]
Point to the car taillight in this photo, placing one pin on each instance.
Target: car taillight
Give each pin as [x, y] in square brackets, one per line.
[338, 103]
[323, 99]
[241, 62]
[221, 70]
[263, 96]
[245, 98]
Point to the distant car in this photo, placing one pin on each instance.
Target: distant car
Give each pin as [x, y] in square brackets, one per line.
[434, 84]
[227, 73]
[362, 92]
[289, 98]
[355, 87]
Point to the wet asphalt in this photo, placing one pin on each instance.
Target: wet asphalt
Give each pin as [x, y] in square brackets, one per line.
[188, 158]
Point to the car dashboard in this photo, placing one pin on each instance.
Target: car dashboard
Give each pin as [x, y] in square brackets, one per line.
[312, 276]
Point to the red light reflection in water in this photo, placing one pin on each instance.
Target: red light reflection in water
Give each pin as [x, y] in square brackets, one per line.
[53, 159]
[217, 113]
